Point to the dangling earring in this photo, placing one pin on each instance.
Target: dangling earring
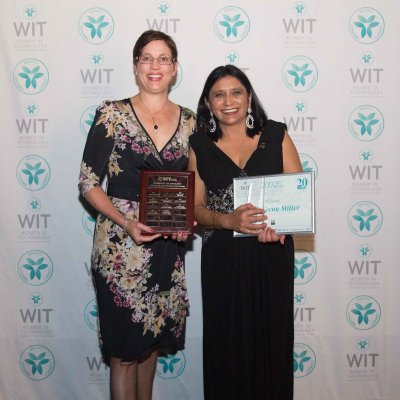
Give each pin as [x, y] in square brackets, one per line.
[213, 125]
[249, 119]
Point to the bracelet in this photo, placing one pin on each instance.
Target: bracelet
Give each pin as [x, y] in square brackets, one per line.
[213, 220]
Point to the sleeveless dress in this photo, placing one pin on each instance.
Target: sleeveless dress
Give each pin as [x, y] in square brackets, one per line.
[247, 286]
[141, 290]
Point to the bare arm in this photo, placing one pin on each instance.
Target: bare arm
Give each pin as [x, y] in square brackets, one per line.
[291, 160]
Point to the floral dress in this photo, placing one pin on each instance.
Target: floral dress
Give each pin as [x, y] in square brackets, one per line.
[141, 290]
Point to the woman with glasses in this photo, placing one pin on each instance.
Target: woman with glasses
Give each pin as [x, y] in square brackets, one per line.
[138, 275]
[247, 282]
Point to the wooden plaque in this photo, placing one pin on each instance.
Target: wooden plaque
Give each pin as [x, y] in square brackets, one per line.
[167, 201]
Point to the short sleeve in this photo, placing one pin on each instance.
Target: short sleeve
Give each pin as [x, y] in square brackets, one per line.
[98, 148]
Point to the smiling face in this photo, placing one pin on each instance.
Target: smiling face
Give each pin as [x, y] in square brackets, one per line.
[155, 78]
[228, 100]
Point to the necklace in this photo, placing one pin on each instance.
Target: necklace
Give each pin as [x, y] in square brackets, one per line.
[155, 126]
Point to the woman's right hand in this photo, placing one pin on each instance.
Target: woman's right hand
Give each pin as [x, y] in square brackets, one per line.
[140, 233]
[244, 219]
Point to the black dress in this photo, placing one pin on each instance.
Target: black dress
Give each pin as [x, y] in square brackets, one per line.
[247, 286]
[141, 290]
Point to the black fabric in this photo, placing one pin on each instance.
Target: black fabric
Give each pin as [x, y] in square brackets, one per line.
[247, 286]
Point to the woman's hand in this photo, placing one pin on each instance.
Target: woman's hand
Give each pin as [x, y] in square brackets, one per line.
[268, 235]
[140, 233]
[244, 219]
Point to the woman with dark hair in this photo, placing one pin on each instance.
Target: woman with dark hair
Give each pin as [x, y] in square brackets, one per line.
[138, 275]
[247, 282]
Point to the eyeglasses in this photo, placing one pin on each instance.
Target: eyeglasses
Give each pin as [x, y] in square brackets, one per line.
[162, 60]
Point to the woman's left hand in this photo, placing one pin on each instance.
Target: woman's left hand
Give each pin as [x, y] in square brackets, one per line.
[268, 235]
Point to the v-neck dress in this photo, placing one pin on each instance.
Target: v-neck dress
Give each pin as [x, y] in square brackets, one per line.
[247, 286]
[141, 290]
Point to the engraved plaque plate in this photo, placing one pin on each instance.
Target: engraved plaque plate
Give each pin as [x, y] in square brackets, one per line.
[167, 201]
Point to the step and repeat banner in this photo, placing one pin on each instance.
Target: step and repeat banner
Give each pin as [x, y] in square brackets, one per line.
[326, 69]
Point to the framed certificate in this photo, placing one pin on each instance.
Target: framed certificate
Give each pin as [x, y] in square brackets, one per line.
[288, 200]
[167, 201]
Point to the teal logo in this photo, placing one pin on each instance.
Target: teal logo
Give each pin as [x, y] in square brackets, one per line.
[366, 123]
[37, 362]
[363, 312]
[96, 59]
[363, 344]
[308, 164]
[299, 298]
[91, 315]
[36, 299]
[30, 12]
[171, 366]
[163, 8]
[87, 119]
[232, 57]
[300, 107]
[365, 250]
[300, 74]
[88, 223]
[31, 76]
[231, 24]
[35, 267]
[33, 172]
[305, 267]
[366, 25]
[365, 218]
[179, 76]
[34, 204]
[366, 155]
[304, 360]
[31, 109]
[367, 58]
[96, 25]
[299, 8]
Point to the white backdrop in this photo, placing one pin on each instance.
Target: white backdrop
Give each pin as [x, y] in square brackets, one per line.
[327, 69]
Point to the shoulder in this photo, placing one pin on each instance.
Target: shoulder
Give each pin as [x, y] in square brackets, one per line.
[188, 119]
[275, 130]
[199, 140]
[113, 106]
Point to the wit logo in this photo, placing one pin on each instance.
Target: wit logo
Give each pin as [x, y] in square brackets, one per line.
[365, 172]
[300, 74]
[31, 76]
[97, 76]
[363, 312]
[365, 266]
[366, 25]
[304, 360]
[365, 218]
[37, 362]
[31, 28]
[87, 119]
[299, 25]
[366, 123]
[167, 25]
[231, 24]
[305, 267]
[96, 25]
[91, 314]
[362, 359]
[36, 315]
[88, 223]
[33, 172]
[35, 267]
[171, 366]
[308, 164]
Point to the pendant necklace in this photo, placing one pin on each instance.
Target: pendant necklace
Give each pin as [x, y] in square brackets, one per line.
[155, 126]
